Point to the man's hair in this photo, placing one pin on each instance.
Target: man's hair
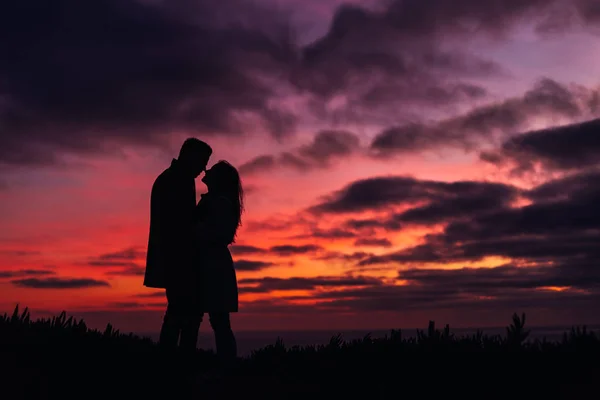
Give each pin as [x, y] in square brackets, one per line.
[194, 147]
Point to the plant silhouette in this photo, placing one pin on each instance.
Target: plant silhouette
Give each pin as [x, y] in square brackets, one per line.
[38, 355]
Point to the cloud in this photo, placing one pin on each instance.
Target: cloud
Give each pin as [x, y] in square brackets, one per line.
[482, 124]
[490, 281]
[376, 46]
[373, 242]
[407, 55]
[560, 226]
[329, 144]
[346, 257]
[160, 68]
[132, 270]
[288, 249]
[389, 224]
[443, 200]
[547, 98]
[269, 224]
[216, 68]
[276, 308]
[120, 263]
[569, 147]
[19, 253]
[269, 284]
[121, 258]
[250, 265]
[334, 233]
[152, 294]
[134, 305]
[325, 147]
[25, 272]
[59, 283]
[239, 249]
[258, 164]
[504, 288]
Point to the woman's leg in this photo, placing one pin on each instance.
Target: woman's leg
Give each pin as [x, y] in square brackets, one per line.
[224, 337]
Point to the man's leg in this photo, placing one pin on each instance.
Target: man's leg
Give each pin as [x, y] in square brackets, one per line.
[190, 328]
[169, 332]
[224, 338]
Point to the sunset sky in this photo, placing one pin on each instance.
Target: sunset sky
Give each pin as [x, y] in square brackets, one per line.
[404, 161]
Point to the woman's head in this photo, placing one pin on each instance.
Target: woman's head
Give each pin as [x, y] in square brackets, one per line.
[223, 179]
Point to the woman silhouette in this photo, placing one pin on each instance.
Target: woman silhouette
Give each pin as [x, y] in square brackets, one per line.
[219, 216]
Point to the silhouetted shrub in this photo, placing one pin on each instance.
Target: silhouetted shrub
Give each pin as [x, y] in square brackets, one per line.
[38, 356]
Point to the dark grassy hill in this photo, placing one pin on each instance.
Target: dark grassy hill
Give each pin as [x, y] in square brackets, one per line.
[61, 358]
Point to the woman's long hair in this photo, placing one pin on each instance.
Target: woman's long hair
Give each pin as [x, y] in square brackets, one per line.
[229, 184]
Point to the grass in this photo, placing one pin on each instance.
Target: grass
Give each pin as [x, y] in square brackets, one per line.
[61, 357]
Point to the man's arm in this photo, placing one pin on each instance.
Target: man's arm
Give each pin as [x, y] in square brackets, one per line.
[218, 226]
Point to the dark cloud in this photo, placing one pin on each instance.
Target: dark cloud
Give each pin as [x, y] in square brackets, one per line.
[560, 18]
[85, 78]
[443, 200]
[111, 263]
[504, 289]
[490, 281]
[329, 144]
[250, 265]
[410, 54]
[560, 226]
[373, 242]
[122, 258]
[486, 123]
[582, 185]
[440, 249]
[19, 253]
[271, 224]
[279, 307]
[134, 305]
[389, 224]
[59, 283]
[333, 233]
[152, 294]
[132, 270]
[325, 147]
[269, 284]
[125, 304]
[258, 164]
[288, 249]
[569, 147]
[375, 48]
[496, 292]
[239, 249]
[368, 193]
[78, 77]
[344, 257]
[434, 96]
[25, 272]
[120, 263]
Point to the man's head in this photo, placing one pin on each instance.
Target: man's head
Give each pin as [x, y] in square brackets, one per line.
[194, 154]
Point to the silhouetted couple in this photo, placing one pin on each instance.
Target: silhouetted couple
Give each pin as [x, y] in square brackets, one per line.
[188, 252]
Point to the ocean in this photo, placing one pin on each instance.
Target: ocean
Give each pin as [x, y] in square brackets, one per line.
[251, 340]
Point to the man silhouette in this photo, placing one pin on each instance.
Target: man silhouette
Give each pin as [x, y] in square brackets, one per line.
[169, 262]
